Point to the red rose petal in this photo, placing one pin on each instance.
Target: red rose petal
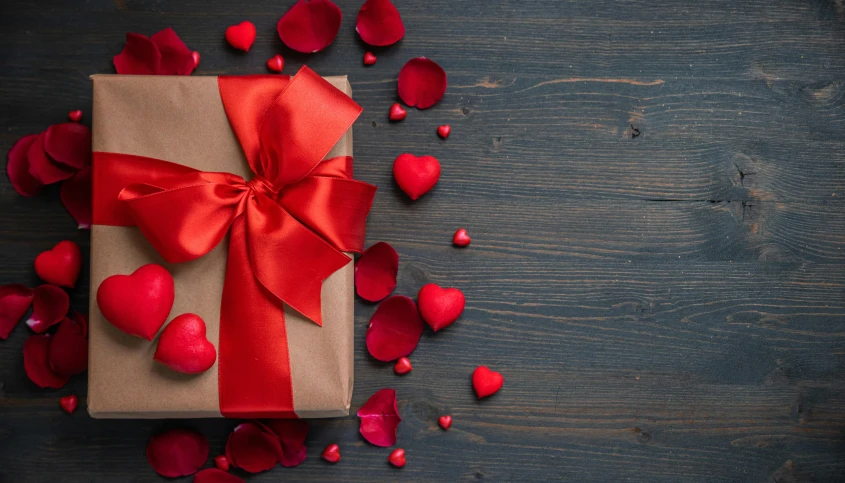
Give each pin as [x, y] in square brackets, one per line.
[395, 329]
[35, 351]
[81, 319]
[75, 194]
[69, 143]
[68, 354]
[422, 83]
[140, 56]
[379, 23]
[379, 418]
[214, 475]
[310, 25]
[17, 167]
[15, 300]
[292, 434]
[43, 169]
[253, 448]
[49, 306]
[176, 57]
[375, 272]
[178, 452]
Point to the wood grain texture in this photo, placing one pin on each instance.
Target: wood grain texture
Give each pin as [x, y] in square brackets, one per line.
[656, 195]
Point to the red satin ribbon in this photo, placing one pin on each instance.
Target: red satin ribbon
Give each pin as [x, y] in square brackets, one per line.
[288, 226]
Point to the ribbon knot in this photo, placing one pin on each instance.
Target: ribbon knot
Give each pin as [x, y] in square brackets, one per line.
[260, 185]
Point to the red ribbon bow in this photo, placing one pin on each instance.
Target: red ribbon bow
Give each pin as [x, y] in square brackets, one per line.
[288, 226]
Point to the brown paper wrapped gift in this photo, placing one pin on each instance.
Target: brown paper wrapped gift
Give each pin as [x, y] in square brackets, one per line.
[182, 120]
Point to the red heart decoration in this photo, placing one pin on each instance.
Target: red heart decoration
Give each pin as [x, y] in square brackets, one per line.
[461, 238]
[445, 422]
[416, 175]
[137, 304]
[74, 116]
[195, 56]
[397, 458]
[444, 131]
[486, 382]
[60, 265]
[369, 58]
[184, 347]
[396, 112]
[402, 366]
[276, 63]
[241, 36]
[221, 462]
[440, 307]
[69, 403]
[332, 453]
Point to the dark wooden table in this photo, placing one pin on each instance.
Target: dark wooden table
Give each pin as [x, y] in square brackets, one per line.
[655, 193]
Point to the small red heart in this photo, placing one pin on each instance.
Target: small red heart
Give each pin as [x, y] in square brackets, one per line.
[486, 382]
[396, 112]
[444, 131]
[461, 238]
[221, 462]
[75, 116]
[332, 453]
[440, 307]
[69, 403]
[196, 56]
[416, 175]
[241, 36]
[184, 347]
[369, 58]
[137, 304]
[445, 422]
[60, 265]
[397, 458]
[276, 63]
[402, 366]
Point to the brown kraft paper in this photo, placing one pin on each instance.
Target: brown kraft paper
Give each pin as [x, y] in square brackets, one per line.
[181, 119]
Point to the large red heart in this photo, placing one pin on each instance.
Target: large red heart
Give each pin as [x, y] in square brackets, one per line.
[486, 382]
[60, 265]
[184, 347]
[137, 304]
[241, 36]
[416, 175]
[440, 307]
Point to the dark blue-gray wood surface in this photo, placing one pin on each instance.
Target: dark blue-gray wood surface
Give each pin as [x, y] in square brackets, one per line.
[654, 189]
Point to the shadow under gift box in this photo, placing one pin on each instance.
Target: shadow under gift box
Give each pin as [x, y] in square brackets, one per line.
[181, 119]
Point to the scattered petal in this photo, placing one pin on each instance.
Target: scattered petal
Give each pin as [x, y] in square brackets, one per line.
[17, 166]
[176, 57]
[331, 453]
[139, 56]
[177, 452]
[395, 329]
[49, 306]
[69, 143]
[43, 169]
[397, 458]
[241, 36]
[74, 116]
[369, 58]
[276, 63]
[422, 83]
[35, 351]
[221, 462]
[375, 272]
[68, 354]
[403, 366]
[292, 434]
[69, 403]
[15, 300]
[60, 265]
[253, 448]
[379, 418]
[397, 113]
[310, 25]
[81, 319]
[214, 475]
[379, 23]
[75, 194]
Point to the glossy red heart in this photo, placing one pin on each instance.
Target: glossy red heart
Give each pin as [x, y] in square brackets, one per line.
[461, 238]
[440, 307]
[396, 112]
[402, 366]
[60, 265]
[397, 458]
[444, 131]
[75, 116]
[416, 175]
[369, 58]
[69, 403]
[276, 63]
[445, 422]
[195, 56]
[486, 382]
[184, 347]
[137, 304]
[221, 462]
[331, 453]
[241, 36]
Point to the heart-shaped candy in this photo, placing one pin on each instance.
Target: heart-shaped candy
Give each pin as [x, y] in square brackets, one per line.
[74, 116]
[241, 36]
[332, 453]
[397, 458]
[184, 347]
[402, 366]
[416, 175]
[369, 58]
[397, 113]
[69, 403]
[444, 131]
[276, 63]
[195, 56]
[60, 265]
[440, 307]
[445, 422]
[137, 304]
[461, 238]
[486, 382]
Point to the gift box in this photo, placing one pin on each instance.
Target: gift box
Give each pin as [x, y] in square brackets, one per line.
[256, 143]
